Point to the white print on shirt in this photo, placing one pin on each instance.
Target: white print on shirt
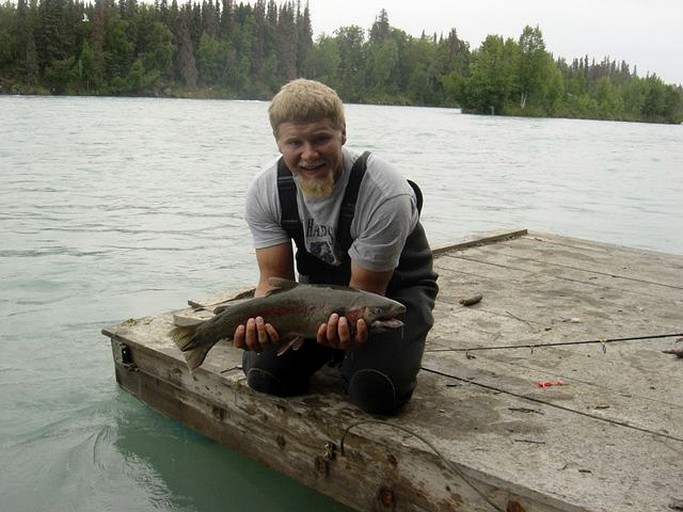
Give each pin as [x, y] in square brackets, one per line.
[320, 241]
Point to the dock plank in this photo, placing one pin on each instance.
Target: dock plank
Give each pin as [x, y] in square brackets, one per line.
[479, 434]
[551, 252]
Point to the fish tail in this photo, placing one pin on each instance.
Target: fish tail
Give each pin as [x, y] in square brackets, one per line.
[195, 357]
[184, 338]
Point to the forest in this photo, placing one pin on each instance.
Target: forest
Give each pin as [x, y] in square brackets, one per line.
[224, 49]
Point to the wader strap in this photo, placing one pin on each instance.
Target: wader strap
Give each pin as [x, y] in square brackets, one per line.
[418, 195]
[290, 213]
[348, 208]
[287, 192]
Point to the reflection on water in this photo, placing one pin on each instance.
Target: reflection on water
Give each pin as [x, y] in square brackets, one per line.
[200, 475]
[118, 208]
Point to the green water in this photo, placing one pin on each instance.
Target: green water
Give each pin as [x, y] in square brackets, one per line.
[120, 208]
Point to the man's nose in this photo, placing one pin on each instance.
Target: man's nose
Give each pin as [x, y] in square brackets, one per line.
[309, 152]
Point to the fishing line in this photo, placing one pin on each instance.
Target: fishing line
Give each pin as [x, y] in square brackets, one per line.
[533, 346]
[448, 463]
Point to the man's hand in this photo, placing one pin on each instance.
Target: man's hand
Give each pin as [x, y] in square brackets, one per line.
[337, 333]
[256, 335]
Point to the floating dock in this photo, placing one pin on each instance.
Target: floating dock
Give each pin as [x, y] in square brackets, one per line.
[560, 390]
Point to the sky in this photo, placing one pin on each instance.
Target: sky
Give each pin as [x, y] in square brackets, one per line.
[646, 34]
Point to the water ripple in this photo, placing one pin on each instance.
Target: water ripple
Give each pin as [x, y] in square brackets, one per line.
[112, 208]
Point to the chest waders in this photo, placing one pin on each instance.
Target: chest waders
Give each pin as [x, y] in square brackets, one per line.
[415, 263]
[379, 376]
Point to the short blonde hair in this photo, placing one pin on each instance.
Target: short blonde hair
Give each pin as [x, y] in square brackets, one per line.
[305, 101]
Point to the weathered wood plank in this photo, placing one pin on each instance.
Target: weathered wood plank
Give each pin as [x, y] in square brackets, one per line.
[478, 428]
[550, 254]
[518, 307]
[292, 436]
[477, 240]
[557, 452]
[542, 300]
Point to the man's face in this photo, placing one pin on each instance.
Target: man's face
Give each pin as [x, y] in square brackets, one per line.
[313, 152]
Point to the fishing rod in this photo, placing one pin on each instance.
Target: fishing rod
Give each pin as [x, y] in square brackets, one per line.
[532, 346]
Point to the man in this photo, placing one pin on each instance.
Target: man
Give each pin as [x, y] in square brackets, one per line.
[375, 244]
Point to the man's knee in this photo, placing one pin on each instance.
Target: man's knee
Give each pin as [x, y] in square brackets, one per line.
[286, 375]
[375, 392]
[267, 382]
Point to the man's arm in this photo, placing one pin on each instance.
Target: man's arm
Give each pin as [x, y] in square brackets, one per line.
[274, 261]
[368, 280]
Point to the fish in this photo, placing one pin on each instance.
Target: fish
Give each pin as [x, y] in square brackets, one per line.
[295, 310]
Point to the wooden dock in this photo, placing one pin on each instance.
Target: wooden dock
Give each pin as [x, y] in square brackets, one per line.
[559, 391]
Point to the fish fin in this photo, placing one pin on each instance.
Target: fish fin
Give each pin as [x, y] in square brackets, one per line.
[284, 348]
[294, 344]
[183, 336]
[184, 339]
[281, 283]
[195, 356]
[222, 306]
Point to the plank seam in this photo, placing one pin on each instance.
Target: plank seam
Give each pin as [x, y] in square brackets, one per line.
[556, 406]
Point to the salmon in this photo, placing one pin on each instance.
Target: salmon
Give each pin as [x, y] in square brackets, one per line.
[294, 310]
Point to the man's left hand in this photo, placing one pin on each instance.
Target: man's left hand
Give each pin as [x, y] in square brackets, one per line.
[337, 333]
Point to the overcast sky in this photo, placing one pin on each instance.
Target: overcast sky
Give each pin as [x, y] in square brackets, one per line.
[647, 34]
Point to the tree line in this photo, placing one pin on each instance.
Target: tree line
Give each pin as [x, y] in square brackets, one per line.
[224, 49]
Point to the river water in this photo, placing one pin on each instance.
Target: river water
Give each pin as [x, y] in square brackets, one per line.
[115, 208]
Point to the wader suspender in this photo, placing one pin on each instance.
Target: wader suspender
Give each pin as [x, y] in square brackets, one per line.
[290, 213]
[286, 189]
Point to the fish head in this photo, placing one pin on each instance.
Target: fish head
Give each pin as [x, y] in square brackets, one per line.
[382, 315]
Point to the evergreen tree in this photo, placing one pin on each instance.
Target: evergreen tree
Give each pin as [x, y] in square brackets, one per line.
[186, 68]
[350, 45]
[381, 60]
[248, 50]
[493, 80]
[304, 39]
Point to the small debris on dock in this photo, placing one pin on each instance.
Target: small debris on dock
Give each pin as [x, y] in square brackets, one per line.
[676, 505]
[678, 352]
[472, 300]
[548, 383]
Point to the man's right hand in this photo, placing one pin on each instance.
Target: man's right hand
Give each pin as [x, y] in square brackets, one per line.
[256, 335]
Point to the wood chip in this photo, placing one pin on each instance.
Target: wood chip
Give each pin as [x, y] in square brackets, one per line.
[470, 301]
